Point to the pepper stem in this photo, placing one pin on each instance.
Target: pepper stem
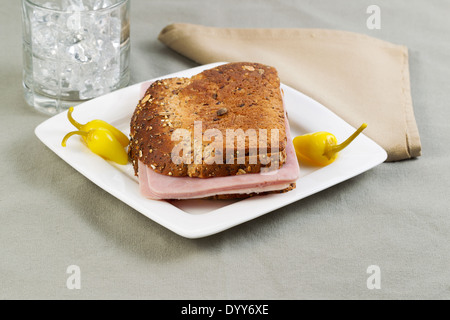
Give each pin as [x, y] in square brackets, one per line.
[344, 144]
[72, 120]
[67, 136]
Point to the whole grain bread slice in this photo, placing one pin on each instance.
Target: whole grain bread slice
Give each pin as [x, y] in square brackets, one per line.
[236, 96]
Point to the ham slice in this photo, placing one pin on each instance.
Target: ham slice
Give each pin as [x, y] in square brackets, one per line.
[158, 187]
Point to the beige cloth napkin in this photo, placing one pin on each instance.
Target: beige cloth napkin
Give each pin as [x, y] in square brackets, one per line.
[360, 78]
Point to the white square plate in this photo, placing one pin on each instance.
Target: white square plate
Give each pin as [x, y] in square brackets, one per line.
[200, 218]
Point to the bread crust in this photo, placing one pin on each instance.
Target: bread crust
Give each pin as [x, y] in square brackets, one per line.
[292, 186]
[233, 96]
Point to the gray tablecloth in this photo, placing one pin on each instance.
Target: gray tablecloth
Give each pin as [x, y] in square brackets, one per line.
[395, 216]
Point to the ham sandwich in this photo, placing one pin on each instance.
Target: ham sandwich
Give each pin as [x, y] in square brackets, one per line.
[236, 97]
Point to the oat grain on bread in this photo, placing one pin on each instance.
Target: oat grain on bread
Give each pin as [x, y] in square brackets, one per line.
[232, 96]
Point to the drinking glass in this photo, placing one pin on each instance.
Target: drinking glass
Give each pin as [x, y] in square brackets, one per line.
[73, 51]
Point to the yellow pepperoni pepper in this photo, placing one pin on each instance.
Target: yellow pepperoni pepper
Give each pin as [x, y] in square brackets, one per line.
[122, 138]
[102, 142]
[321, 148]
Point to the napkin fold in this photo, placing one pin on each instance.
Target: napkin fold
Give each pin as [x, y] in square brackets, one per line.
[360, 78]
